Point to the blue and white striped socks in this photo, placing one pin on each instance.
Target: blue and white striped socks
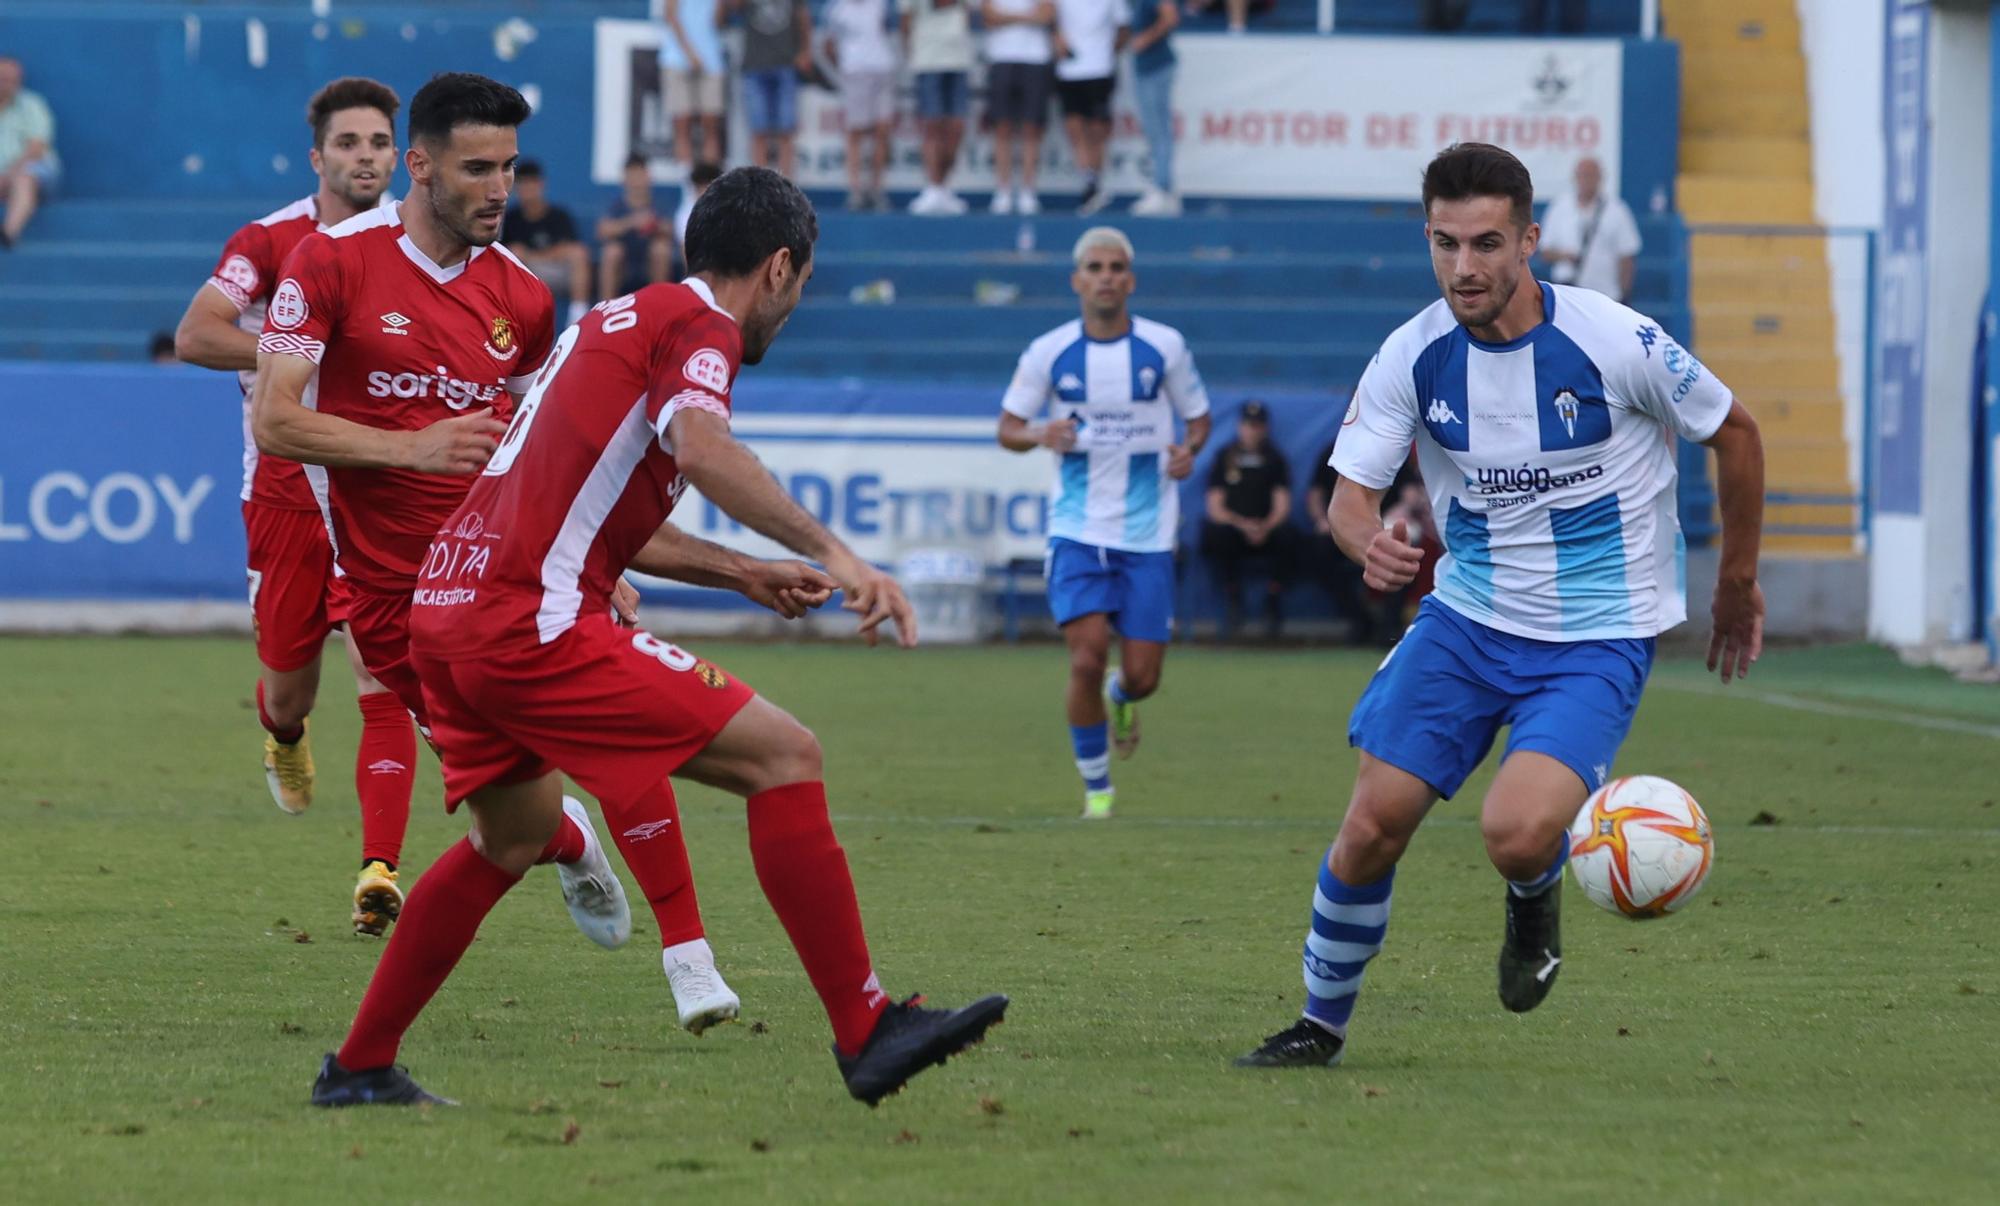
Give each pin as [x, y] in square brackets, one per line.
[1547, 879]
[1115, 689]
[1348, 924]
[1092, 743]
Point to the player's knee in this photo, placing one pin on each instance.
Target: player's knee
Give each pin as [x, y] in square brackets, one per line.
[1369, 845]
[1089, 663]
[1140, 681]
[797, 757]
[286, 702]
[1518, 848]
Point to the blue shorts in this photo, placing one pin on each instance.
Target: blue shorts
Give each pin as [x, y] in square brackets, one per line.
[1443, 693]
[771, 100]
[942, 94]
[1135, 589]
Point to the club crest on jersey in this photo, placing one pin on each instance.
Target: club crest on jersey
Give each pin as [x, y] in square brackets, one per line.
[288, 305]
[1566, 408]
[709, 369]
[500, 340]
[1148, 379]
[710, 675]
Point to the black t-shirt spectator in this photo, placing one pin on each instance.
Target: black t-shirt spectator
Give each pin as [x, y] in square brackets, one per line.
[537, 234]
[1249, 479]
[1324, 477]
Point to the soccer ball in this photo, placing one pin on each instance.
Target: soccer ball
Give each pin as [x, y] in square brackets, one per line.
[1641, 846]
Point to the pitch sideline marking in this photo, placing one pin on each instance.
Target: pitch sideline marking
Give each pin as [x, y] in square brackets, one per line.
[1799, 703]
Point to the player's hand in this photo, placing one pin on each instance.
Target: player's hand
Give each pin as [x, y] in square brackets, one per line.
[790, 588]
[1738, 638]
[875, 597]
[1256, 533]
[1180, 462]
[625, 603]
[1392, 561]
[458, 445]
[1059, 434]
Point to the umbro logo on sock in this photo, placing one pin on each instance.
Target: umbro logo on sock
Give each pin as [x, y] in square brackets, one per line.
[650, 829]
[871, 988]
[387, 766]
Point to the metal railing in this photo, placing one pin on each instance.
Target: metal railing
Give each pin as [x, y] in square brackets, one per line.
[1649, 18]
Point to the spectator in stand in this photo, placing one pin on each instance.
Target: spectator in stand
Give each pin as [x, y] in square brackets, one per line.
[29, 168]
[1088, 36]
[161, 349]
[1018, 80]
[937, 42]
[695, 77]
[861, 49]
[1590, 238]
[1571, 15]
[699, 178]
[1238, 10]
[1372, 618]
[1153, 68]
[1249, 519]
[1443, 16]
[637, 247]
[543, 236]
[777, 50]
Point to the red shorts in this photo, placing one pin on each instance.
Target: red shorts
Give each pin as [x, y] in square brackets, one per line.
[379, 626]
[616, 710]
[295, 601]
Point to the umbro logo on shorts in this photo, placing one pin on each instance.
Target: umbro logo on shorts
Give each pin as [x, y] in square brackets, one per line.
[650, 829]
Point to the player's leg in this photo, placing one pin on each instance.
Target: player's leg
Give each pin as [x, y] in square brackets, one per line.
[611, 268]
[289, 561]
[1082, 593]
[1283, 549]
[773, 761]
[512, 825]
[1576, 704]
[1145, 620]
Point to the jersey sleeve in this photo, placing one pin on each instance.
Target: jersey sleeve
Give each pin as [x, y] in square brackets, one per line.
[1028, 392]
[1667, 383]
[307, 302]
[1184, 385]
[538, 333]
[1381, 420]
[693, 367]
[243, 271]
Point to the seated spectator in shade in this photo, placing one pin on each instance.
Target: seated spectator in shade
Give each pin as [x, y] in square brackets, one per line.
[937, 43]
[1153, 69]
[544, 237]
[693, 76]
[1372, 618]
[1571, 15]
[858, 36]
[29, 168]
[636, 246]
[699, 178]
[1249, 519]
[161, 349]
[777, 50]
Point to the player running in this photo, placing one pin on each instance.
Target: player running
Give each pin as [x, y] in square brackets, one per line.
[294, 598]
[1543, 417]
[1113, 384]
[528, 677]
[415, 330]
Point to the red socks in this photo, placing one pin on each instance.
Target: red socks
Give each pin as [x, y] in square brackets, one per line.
[439, 920]
[566, 846]
[804, 875]
[648, 834]
[385, 772]
[285, 736]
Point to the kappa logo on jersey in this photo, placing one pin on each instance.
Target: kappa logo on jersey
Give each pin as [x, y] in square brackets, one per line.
[394, 324]
[239, 271]
[500, 342]
[1566, 408]
[1069, 383]
[288, 305]
[648, 830]
[1441, 413]
[709, 369]
[453, 392]
[1648, 336]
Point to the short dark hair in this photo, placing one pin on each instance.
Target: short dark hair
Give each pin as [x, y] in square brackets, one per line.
[528, 169]
[349, 92]
[703, 174]
[746, 216]
[1479, 169]
[459, 98]
[635, 159]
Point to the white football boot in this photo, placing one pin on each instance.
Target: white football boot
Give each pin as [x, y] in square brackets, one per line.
[591, 889]
[701, 995]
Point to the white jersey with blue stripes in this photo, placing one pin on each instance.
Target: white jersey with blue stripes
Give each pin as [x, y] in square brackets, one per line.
[1112, 490]
[1548, 460]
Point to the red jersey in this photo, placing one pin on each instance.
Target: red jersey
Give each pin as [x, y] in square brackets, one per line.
[402, 343]
[582, 479]
[246, 273]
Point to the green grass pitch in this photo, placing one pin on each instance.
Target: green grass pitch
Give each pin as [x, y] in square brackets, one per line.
[1822, 1025]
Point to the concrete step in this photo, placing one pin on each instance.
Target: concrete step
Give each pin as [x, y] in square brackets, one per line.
[1749, 155]
[1745, 112]
[1746, 199]
[1730, 321]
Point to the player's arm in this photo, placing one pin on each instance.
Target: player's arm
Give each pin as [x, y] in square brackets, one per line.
[1738, 612]
[1281, 506]
[790, 588]
[283, 426]
[1020, 435]
[208, 334]
[730, 476]
[1027, 394]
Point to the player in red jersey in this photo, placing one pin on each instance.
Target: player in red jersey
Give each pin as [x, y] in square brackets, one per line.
[527, 677]
[294, 600]
[389, 347]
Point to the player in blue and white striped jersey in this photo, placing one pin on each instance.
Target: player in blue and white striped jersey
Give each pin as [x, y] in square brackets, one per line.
[1118, 391]
[1544, 418]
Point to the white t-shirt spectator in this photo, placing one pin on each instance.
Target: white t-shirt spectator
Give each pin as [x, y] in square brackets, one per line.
[940, 34]
[1017, 43]
[1090, 28]
[1601, 234]
[860, 30]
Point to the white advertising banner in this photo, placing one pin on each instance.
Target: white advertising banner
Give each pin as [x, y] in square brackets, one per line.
[1255, 116]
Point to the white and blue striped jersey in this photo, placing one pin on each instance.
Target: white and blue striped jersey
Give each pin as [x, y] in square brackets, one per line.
[1112, 490]
[1549, 462]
